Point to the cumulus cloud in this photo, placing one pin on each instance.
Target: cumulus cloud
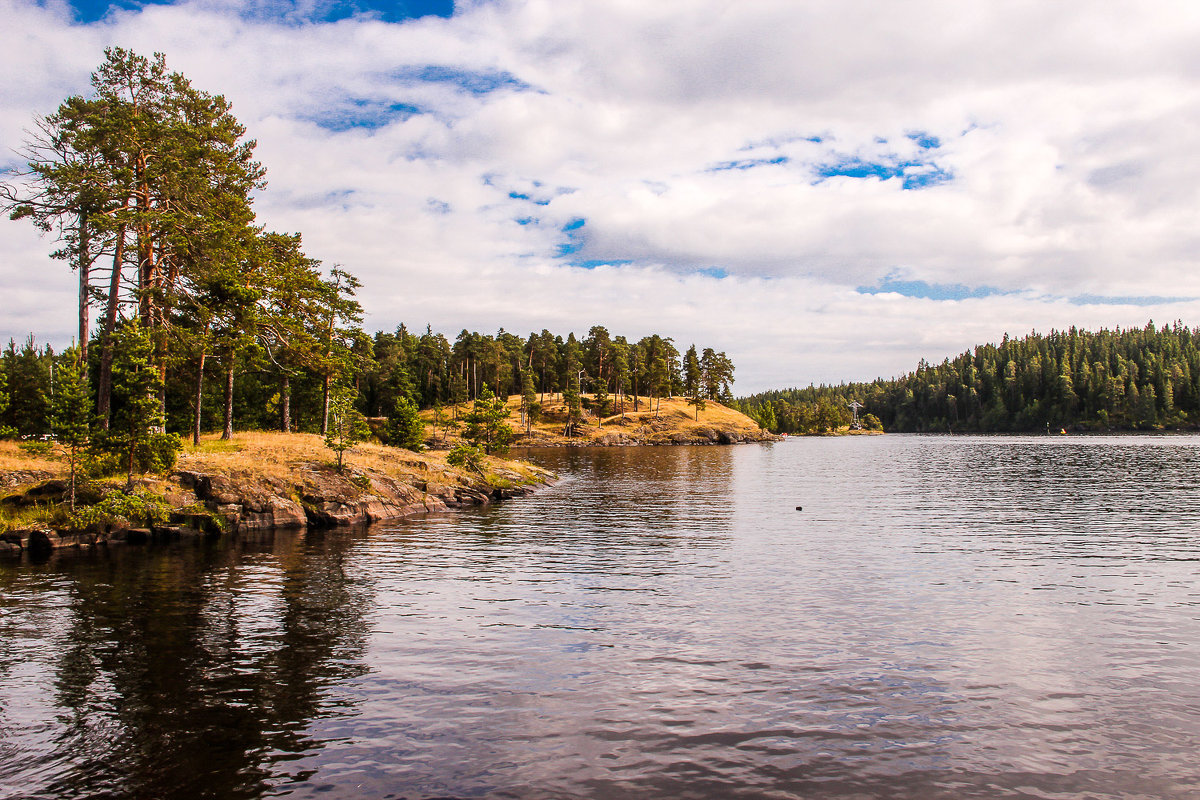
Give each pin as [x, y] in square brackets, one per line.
[751, 177]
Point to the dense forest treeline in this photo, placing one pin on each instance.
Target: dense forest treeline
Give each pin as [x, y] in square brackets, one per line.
[427, 369]
[1135, 379]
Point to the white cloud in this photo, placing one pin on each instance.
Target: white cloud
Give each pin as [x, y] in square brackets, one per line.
[693, 136]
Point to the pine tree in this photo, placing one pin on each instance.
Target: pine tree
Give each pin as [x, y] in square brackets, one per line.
[138, 418]
[573, 402]
[345, 426]
[486, 424]
[601, 402]
[692, 380]
[404, 427]
[530, 407]
[71, 413]
[442, 421]
[28, 388]
[5, 430]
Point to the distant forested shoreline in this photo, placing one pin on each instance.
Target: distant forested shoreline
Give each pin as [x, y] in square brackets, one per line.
[1134, 379]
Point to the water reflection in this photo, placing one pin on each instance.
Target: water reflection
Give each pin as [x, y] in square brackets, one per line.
[946, 618]
[187, 671]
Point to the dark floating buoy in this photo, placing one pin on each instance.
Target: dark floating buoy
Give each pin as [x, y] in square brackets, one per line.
[799, 508]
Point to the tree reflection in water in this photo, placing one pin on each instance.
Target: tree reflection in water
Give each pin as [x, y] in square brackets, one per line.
[190, 671]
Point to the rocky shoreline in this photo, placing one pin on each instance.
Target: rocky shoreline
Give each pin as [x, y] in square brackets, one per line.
[212, 504]
[649, 436]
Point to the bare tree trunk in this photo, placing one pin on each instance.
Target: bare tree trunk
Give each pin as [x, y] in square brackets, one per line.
[104, 390]
[147, 269]
[199, 398]
[84, 281]
[227, 433]
[285, 404]
[325, 406]
[162, 339]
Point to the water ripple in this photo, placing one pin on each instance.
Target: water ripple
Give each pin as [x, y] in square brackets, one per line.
[946, 618]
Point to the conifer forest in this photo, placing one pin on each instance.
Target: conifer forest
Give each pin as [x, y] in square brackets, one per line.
[1135, 379]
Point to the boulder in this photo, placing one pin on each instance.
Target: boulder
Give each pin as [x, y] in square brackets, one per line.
[130, 535]
[19, 537]
[42, 540]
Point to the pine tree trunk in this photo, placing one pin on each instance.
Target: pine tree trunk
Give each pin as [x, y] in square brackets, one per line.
[227, 433]
[104, 390]
[285, 404]
[84, 281]
[147, 269]
[199, 398]
[162, 344]
[74, 458]
[325, 406]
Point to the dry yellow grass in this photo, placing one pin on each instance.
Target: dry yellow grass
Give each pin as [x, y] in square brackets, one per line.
[284, 458]
[657, 421]
[287, 456]
[14, 459]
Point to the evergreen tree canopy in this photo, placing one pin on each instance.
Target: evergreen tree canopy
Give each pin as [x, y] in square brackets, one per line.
[1135, 379]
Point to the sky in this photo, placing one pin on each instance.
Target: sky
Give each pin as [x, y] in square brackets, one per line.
[826, 190]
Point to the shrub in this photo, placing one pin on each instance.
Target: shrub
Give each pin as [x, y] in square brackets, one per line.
[404, 427]
[122, 508]
[158, 452]
[466, 455]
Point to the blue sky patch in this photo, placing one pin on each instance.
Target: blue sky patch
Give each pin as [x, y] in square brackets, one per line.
[575, 238]
[1149, 300]
[925, 141]
[927, 175]
[855, 168]
[929, 291]
[468, 81]
[88, 11]
[914, 174]
[713, 272]
[541, 201]
[363, 114]
[601, 262]
[748, 163]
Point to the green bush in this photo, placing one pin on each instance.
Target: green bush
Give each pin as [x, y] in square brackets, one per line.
[36, 447]
[404, 427]
[120, 508]
[466, 455]
[158, 453]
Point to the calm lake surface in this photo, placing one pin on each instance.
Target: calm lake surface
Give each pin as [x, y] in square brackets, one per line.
[947, 617]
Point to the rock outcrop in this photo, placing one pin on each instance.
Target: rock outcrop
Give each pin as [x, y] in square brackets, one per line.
[210, 504]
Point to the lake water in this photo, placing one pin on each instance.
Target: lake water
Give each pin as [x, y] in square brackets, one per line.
[945, 618]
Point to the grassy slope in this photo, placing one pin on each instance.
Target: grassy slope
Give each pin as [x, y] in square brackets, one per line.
[674, 418]
[266, 459]
[287, 457]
